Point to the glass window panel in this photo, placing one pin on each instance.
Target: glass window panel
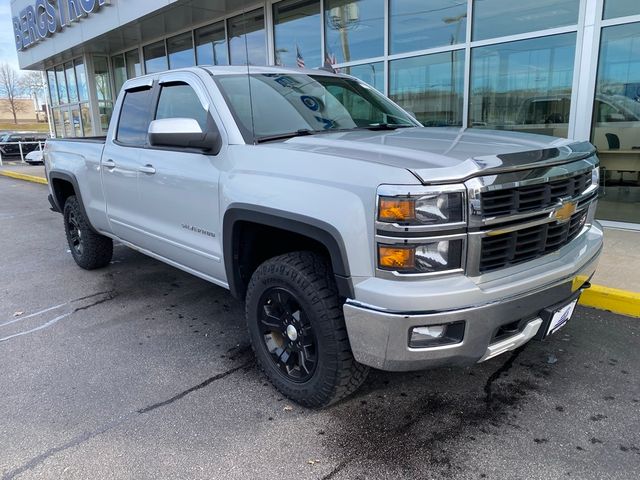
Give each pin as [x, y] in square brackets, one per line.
[105, 110]
[155, 57]
[71, 82]
[211, 45]
[101, 76]
[621, 8]
[180, 101]
[66, 122]
[62, 85]
[134, 117]
[180, 49]
[53, 89]
[134, 68]
[497, 18]
[524, 85]
[87, 123]
[297, 33]
[57, 122]
[76, 123]
[249, 26]
[119, 71]
[81, 78]
[616, 122]
[430, 87]
[417, 25]
[353, 29]
[371, 73]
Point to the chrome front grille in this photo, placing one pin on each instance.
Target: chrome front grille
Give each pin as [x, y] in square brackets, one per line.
[520, 216]
[519, 246]
[524, 199]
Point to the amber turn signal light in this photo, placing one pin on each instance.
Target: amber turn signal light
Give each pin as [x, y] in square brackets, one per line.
[396, 209]
[396, 258]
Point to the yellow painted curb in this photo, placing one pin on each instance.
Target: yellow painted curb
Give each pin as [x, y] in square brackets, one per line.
[612, 299]
[24, 176]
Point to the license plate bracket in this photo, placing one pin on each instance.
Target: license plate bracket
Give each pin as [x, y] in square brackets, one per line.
[556, 317]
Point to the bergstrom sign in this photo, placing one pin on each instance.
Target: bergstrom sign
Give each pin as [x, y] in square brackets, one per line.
[46, 17]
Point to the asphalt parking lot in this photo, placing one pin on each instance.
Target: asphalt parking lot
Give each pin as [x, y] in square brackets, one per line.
[142, 371]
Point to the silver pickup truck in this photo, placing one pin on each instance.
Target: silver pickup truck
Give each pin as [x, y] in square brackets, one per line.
[356, 237]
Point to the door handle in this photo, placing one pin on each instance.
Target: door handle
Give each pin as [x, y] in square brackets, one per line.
[109, 163]
[147, 169]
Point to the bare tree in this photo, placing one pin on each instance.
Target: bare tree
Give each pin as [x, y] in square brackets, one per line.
[33, 84]
[10, 90]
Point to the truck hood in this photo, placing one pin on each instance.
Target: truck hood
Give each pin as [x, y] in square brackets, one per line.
[439, 155]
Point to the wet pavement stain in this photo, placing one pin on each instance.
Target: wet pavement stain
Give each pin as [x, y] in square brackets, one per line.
[395, 419]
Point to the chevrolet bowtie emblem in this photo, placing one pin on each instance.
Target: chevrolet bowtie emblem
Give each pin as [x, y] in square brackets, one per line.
[564, 213]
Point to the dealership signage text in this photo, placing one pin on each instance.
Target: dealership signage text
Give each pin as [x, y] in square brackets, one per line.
[44, 18]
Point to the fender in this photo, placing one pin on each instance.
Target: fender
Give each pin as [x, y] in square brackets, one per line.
[317, 230]
[57, 199]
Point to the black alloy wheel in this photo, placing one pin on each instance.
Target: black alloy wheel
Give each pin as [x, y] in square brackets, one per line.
[75, 234]
[287, 334]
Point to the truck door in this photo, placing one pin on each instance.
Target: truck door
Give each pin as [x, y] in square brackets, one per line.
[179, 187]
[121, 160]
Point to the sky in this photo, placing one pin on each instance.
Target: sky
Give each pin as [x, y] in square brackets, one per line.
[7, 44]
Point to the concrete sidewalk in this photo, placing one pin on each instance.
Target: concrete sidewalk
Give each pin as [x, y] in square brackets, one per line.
[616, 284]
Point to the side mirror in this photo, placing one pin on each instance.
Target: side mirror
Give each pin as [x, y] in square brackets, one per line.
[185, 133]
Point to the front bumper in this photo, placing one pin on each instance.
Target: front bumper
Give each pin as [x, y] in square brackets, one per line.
[379, 334]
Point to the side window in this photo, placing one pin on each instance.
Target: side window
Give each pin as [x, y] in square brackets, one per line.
[179, 100]
[134, 117]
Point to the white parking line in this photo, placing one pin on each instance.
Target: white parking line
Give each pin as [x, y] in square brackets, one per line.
[35, 314]
[44, 325]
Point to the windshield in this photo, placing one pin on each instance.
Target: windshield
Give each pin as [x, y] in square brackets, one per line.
[285, 103]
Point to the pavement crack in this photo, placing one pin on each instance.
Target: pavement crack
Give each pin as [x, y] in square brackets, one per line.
[506, 366]
[183, 394]
[110, 296]
[80, 439]
[337, 469]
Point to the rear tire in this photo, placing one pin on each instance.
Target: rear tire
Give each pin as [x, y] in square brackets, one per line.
[297, 330]
[89, 249]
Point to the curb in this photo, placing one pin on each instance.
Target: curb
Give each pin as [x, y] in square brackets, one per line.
[24, 176]
[612, 299]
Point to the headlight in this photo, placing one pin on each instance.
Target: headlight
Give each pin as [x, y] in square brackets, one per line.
[595, 176]
[436, 256]
[428, 209]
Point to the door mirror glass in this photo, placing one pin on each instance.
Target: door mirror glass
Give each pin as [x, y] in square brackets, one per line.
[184, 133]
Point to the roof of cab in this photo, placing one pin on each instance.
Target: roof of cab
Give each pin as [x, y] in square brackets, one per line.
[242, 70]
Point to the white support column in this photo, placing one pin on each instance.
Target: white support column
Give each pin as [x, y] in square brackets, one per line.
[585, 71]
[268, 26]
[385, 63]
[466, 89]
[93, 95]
[47, 102]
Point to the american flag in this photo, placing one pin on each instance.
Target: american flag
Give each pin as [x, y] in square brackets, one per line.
[329, 62]
[299, 58]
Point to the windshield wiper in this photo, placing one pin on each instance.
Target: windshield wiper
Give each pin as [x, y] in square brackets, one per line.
[282, 136]
[387, 126]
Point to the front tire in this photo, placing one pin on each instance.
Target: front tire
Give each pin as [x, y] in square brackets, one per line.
[297, 330]
[89, 249]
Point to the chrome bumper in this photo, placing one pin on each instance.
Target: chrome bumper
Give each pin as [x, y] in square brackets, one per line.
[380, 338]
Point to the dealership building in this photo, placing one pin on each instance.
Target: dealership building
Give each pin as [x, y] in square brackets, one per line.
[569, 68]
